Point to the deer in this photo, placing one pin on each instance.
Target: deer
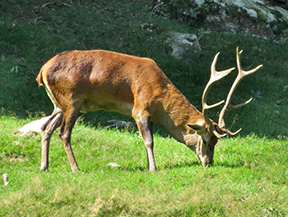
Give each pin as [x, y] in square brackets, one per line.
[90, 80]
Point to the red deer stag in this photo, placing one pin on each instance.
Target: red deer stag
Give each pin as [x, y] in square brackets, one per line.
[92, 80]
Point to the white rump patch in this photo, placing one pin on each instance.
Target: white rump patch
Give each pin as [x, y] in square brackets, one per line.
[34, 126]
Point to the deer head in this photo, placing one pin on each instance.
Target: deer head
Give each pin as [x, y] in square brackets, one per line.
[209, 131]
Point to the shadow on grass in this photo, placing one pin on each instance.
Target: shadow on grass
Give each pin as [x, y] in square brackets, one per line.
[180, 165]
[229, 164]
[131, 168]
[144, 168]
[184, 165]
[198, 164]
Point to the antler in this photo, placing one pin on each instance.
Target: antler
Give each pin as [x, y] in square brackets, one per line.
[215, 76]
[240, 76]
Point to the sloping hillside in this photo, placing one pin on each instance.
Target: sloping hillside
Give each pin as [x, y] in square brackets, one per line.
[34, 31]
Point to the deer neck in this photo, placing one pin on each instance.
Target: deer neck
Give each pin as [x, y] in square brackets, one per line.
[175, 113]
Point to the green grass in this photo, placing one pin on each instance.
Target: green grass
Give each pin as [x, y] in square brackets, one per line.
[250, 174]
[249, 177]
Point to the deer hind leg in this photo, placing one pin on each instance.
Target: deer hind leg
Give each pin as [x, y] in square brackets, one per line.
[47, 130]
[145, 127]
[69, 119]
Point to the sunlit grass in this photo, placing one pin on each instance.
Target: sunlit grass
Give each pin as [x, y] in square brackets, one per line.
[249, 177]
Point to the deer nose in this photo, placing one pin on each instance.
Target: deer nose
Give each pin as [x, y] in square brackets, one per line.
[207, 163]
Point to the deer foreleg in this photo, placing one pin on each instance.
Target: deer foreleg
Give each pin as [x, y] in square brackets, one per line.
[145, 127]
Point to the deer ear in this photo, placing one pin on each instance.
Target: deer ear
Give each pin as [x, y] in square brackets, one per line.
[199, 127]
[194, 126]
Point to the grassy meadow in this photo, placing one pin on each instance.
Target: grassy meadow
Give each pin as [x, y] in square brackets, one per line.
[249, 177]
[250, 174]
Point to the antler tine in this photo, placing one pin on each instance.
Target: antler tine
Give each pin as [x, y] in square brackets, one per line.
[215, 76]
[230, 106]
[240, 76]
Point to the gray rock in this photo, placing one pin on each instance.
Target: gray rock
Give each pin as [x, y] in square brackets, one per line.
[183, 43]
[267, 19]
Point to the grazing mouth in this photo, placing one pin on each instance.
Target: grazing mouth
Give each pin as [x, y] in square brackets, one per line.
[207, 163]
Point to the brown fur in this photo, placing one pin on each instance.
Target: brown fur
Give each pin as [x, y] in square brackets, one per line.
[92, 80]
